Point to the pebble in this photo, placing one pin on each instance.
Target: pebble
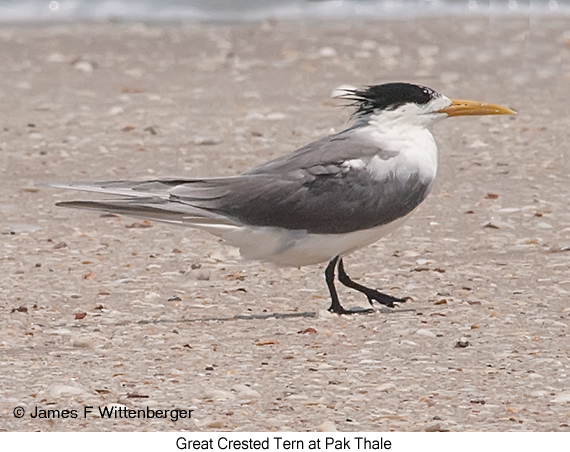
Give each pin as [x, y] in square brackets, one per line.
[116, 110]
[207, 141]
[58, 390]
[218, 423]
[386, 387]
[327, 426]
[462, 343]
[327, 52]
[245, 392]
[436, 427]
[217, 394]
[276, 116]
[248, 394]
[508, 210]
[84, 66]
[425, 332]
[477, 144]
[88, 340]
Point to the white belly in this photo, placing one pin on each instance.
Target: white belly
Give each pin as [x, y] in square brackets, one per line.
[297, 248]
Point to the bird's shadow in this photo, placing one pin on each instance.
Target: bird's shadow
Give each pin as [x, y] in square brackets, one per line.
[274, 315]
[250, 317]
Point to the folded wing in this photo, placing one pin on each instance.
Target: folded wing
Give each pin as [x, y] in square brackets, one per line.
[318, 189]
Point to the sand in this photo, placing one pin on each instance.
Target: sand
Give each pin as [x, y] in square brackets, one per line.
[110, 312]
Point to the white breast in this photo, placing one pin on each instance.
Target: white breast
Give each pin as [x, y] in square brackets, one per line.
[414, 146]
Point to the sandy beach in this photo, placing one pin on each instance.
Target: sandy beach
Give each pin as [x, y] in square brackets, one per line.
[109, 311]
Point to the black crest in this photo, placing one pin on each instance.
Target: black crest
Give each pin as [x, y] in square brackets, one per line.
[389, 97]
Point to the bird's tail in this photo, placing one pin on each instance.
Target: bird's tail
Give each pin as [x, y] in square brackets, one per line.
[150, 200]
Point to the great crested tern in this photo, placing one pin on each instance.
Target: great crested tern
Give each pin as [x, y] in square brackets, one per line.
[319, 203]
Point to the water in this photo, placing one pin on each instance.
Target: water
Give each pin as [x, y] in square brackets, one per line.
[255, 10]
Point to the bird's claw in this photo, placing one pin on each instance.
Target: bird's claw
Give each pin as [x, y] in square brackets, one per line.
[386, 300]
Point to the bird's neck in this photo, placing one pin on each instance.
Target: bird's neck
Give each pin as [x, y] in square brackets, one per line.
[397, 134]
[414, 147]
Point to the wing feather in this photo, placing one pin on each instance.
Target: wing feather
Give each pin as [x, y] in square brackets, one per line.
[312, 189]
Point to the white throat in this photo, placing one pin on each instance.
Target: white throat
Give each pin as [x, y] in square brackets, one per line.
[405, 131]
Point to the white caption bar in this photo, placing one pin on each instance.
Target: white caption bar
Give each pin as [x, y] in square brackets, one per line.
[287, 441]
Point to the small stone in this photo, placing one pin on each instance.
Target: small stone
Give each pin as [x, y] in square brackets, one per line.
[437, 427]
[477, 144]
[207, 141]
[425, 332]
[248, 393]
[559, 248]
[276, 116]
[307, 331]
[84, 66]
[203, 276]
[327, 52]
[327, 426]
[116, 111]
[261, 343]
[462, 343]
[218, 394]
[386, 387]
[218, 423]
[58, 390]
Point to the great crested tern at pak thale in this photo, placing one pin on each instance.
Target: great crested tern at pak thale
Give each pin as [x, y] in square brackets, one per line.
[323, 201]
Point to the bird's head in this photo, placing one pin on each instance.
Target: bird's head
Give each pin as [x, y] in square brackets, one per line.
[414, 104]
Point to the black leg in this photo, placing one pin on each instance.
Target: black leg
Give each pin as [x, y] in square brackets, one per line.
[335, 303]
[371, 294]
[329, 277]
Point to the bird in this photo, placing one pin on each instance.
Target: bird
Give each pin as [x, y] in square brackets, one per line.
[319, 203]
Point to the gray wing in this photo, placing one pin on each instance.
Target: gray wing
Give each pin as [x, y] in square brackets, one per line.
[337, 201]
[312, 189]
[333, 149]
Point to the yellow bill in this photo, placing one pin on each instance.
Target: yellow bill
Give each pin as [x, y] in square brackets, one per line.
[461, 107]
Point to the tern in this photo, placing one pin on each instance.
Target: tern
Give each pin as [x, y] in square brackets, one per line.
[319, 203]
